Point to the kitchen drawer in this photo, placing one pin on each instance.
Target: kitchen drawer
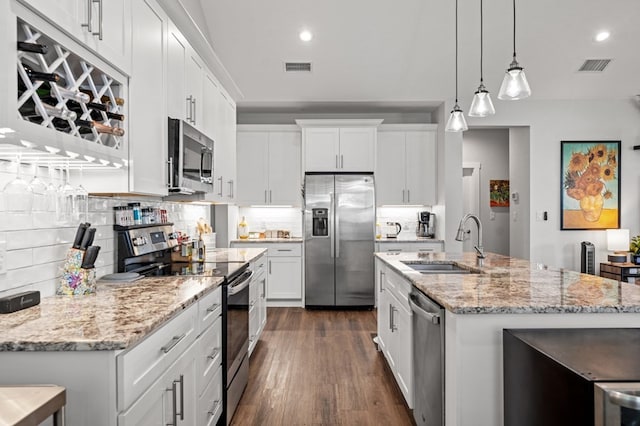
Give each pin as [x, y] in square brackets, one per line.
[209, 354]
[210, 402]
[289, 250]
[398, 286]
[140, 366]
[259, 265]
[209, 309]
[420, 247]
[394, 247]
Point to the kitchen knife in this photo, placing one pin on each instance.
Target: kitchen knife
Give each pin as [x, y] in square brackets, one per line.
[79, 234]
[87, 239]
[90, 257]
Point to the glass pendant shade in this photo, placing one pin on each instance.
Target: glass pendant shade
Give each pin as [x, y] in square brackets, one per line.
[514, 85]
[481, 106]
[457, 122]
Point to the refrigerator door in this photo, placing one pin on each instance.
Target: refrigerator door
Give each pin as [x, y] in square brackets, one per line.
[319, 249]
[354, 229]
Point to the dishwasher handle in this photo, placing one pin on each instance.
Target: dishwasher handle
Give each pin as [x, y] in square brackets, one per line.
[414, 302]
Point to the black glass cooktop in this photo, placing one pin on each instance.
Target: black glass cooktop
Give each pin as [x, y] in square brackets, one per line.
[207, 269]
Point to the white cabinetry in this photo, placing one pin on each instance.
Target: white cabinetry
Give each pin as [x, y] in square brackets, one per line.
[395, 328]
[177, 48]
[257, 301]
[225, 151]
[148, 109]
[101, 25]
[406, 168]
[339, 145]
[268, 165]
[284, 271]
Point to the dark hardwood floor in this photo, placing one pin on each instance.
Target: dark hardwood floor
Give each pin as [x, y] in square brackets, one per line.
[317, 367]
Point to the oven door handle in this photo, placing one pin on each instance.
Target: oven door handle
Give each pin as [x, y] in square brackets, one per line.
[624, 399]
[240, 284]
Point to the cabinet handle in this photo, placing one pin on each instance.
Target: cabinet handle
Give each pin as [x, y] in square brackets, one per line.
[337, 161]
[99, 33]
[269, 266]
[89, 17]
[170, 165]
[408, 195]
[174, 341]
[264, 288]
[195, 114]
[220, 179]
[214, 408]
[381, 278]
[403, 195]
[394, 250]
[391, 317]
[174, 402]
[265, 196]
[181, 381]
[270, 199]
[214, 354]
[231, 189]
[188, 113]
[285, 249]
[341, 161]
[213, 307]
[428, 249]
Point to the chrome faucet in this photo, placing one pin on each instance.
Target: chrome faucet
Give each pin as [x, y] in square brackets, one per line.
[460, 235]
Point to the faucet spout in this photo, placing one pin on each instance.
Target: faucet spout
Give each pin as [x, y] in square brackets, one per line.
[460, 234]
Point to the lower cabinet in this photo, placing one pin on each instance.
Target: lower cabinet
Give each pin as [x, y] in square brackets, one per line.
[435, 246]
[395, 327]
[257, 301]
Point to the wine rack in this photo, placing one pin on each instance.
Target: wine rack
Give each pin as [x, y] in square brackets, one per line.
[74, 74]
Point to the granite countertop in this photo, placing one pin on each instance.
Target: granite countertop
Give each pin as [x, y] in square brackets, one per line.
[505, 285]
[269, 240]
[404, 239]
[233, 255]
[116, 317]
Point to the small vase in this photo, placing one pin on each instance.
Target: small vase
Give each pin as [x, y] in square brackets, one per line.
[591, 206]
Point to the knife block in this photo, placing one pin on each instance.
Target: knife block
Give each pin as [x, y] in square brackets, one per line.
[75, 280]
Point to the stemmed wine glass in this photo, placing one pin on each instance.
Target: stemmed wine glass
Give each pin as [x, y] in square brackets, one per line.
[39, 189]
[17, 193]
[81, 202]
[51, 193]
[65, 205]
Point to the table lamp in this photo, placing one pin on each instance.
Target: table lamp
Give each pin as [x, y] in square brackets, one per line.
[618, 243]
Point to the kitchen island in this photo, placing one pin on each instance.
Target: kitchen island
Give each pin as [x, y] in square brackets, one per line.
[504, 293]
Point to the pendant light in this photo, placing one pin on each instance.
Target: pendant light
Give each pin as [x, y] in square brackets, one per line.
[515, 85]
[481, 106]
[456, 122]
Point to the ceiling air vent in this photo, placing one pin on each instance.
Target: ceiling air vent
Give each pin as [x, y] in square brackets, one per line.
[594, 65]
[297, 67]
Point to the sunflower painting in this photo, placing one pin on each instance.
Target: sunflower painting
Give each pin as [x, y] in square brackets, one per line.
[590, 185]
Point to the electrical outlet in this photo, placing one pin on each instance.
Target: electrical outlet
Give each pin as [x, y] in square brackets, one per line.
[3, 256]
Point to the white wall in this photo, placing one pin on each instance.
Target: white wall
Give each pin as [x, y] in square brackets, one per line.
[519, 170]
[273, 218]
[551, 122]
[490, 148]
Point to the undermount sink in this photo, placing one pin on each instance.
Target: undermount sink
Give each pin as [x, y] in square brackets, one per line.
[438, 268]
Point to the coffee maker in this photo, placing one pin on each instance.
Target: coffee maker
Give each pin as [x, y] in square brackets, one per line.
[426, 225]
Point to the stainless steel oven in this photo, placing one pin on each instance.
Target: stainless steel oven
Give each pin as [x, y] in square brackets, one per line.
[190, 159]
[617, 404]
[236, 338]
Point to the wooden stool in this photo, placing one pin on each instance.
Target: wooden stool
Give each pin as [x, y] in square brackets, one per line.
[31, 405]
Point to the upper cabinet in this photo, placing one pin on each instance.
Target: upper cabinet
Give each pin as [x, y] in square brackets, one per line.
[406, 168]
[339, 145]
[269, 165]
[102, 26]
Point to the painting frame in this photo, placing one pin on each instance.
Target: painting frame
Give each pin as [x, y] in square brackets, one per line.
[590, 185]
[499, 192]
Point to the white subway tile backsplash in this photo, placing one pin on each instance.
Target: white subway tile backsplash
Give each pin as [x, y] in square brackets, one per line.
[10, 221]
[48, 254]
[32, 274]
[17, 259]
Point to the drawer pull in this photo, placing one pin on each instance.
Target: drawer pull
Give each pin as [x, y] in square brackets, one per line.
[394, 250]
[214, 354]
[214, 408]
[429, 249]
[172, 343]
[285, 249]
[213, 307]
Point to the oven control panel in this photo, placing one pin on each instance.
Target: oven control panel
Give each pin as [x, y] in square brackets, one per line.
[152, 239]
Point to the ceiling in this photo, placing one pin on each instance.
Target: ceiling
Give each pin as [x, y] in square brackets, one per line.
[401, 53]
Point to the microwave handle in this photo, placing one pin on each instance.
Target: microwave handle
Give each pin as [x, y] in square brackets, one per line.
[170, 163]
[624, 399]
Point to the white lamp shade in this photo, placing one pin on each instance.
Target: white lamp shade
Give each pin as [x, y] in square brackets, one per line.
[514, 85]
[481, 106]
[457, 122]
[618, 239]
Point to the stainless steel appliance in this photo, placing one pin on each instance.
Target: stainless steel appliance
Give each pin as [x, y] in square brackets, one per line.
[428, 360]
[426, 225]
[190, 159]
[588, 376]
[339, 240]
[146, 250]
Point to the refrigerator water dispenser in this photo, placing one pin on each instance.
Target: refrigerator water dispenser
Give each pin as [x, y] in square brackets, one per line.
[320, 223]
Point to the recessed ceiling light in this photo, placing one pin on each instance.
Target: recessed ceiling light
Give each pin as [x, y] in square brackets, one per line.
[602, 36]
[305, 35]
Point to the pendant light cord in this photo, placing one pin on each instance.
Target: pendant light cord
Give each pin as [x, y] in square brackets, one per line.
[481, 42]
[457, 52]
[514, 29]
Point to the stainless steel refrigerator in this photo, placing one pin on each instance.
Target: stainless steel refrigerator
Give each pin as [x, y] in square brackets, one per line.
[339, 240]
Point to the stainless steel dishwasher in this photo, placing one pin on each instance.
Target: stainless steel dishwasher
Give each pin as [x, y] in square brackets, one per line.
[428, 360]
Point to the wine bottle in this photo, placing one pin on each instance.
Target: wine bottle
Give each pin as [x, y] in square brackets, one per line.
[32, 47]
[41, 76]
[64, 125]
[104, 98]
[101, 128]
[46, 91]
[111, 115]
[28, 109]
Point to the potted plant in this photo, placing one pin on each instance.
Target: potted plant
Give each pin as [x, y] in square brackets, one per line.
[634, 248]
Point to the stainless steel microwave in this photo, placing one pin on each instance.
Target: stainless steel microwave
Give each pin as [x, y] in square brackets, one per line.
[617, 404]
[190, 159]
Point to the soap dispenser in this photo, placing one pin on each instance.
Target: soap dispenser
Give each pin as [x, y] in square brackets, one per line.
[243, 229]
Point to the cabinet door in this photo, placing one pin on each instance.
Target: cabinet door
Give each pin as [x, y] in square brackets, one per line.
[68, 15]
[176, 60]
[193, 84]
[402, 321]
[114, 24]
[148, 114]
[227, 150]
[284, 168]
[321, 149]
[383, 310]
[262, 303]
[357, 149]
[210, 106]
[421, 164]
[390, 170]
[285, 278]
